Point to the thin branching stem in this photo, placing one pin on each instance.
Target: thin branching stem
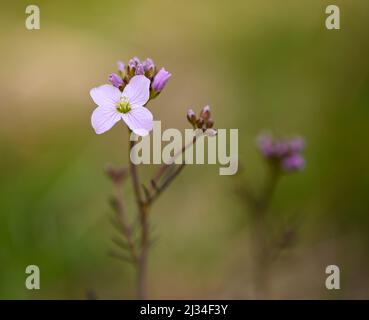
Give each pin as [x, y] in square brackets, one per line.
[159, 189]
[261, 245]
[144, 198]
[165, 166]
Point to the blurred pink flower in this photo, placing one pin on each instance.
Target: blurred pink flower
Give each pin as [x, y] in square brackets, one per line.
[128, 105]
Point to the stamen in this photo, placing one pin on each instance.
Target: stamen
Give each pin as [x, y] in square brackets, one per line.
[123, 105]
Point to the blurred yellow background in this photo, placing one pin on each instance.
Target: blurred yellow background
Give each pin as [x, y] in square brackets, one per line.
[259, 65]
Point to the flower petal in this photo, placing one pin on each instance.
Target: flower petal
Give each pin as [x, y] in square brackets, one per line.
[139, 120]
[137, 91]
[103, 118]
[105, 95]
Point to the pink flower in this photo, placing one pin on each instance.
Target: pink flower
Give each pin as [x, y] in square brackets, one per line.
[128, 105]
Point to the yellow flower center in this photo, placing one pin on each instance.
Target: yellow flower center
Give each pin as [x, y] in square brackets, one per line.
[123, 105]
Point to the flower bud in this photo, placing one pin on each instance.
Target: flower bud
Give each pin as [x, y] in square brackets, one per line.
[265, 144]
[121, 67]
[205, 113]
[293, 162]
[149, 67]
[115, 80]
[200, 123]
[191, 117]
[139, 69]
[209, 123]
[296, 145]
[160, 80]
[132, 63]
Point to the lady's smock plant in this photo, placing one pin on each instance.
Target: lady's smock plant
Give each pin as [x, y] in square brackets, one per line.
[283, 153]
[282, 156]
[126, 98]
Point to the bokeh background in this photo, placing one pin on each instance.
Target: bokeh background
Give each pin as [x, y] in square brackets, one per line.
[260, 65]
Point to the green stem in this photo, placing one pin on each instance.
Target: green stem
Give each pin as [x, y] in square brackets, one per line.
[143, 210]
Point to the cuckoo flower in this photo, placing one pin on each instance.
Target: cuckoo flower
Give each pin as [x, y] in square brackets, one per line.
[128, 105]
[286, 153]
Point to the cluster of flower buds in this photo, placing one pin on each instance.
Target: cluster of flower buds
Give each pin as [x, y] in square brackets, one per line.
[286, 153]
[135, 66]
[203, 121]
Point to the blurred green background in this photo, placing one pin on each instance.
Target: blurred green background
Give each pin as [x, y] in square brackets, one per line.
[260, 65]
